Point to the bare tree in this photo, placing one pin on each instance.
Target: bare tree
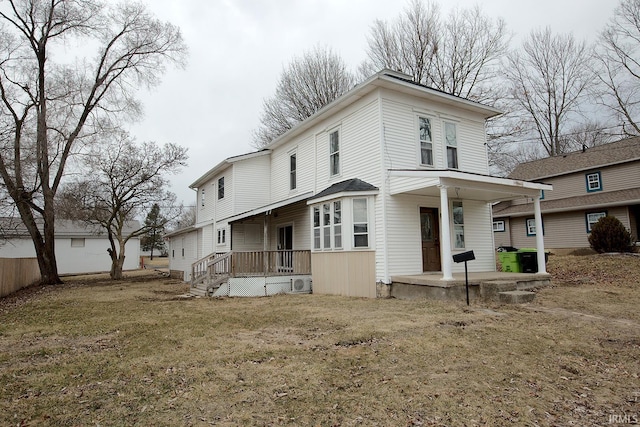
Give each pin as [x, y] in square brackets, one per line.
[123, 182]
[307, 84]
[186, 219]
[548, 79]
[618, 59]
[47, 108]
[459, 55]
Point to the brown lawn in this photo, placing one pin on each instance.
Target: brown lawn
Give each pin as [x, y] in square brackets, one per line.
[96, 352]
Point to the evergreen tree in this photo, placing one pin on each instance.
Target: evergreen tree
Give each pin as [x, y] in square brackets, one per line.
[154, 223]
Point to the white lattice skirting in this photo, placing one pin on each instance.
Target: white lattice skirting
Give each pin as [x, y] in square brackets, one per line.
[264, 286]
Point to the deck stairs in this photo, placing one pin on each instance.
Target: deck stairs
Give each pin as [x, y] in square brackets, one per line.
[209, 273]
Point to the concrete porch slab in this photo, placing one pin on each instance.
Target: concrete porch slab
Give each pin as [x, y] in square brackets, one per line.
[431, 286]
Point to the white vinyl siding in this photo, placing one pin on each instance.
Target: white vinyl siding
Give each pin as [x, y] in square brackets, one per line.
[246, 189]
[280, 167]
[399, 117]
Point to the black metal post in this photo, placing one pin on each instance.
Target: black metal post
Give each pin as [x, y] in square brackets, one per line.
[466, 280]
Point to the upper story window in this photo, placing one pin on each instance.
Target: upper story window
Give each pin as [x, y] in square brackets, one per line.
[334, 153]
[202, 198]
[451, 141]
[458, 224]
[594, 181]
[292, 171]
[360, 224]
[221, 188]
[426, 143]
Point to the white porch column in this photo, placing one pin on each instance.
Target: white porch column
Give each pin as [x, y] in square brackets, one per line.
[445, 235]
[542, 268]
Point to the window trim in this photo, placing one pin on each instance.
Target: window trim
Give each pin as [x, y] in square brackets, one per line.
[499, 222]
[78, 242]
[420, 140]
[202, 198]
[293, 170]
[354, 223]
[221, 188]
[447, 145]
[588, 224]
[222, 235]
[526, 226]
[336, 153]
[454, 224]
[587, 182]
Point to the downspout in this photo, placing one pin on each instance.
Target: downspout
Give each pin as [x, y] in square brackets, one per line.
[384, 174]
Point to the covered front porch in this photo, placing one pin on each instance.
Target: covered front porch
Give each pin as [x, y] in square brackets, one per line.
[448, 192]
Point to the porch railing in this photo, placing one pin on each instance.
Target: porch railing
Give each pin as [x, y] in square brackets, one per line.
[250, 263]
[270, 263]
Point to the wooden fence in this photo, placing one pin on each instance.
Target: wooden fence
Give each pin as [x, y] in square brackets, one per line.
[17, 273]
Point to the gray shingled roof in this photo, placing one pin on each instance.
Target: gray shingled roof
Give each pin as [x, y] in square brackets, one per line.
[600, 199]
[602, 155]
[350, 185]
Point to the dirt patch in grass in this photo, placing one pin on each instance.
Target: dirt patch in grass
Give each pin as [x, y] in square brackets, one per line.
[135, 353]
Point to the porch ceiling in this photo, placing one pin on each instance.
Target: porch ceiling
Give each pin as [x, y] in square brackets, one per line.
[462, 185]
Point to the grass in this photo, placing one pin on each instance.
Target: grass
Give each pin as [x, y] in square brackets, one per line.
[107, 353]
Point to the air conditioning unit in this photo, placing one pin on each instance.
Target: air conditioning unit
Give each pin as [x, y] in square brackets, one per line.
[301, 285]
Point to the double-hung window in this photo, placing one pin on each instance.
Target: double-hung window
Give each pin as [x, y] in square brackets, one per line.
[221, 188]
[222, 236]
[594, 181]
[334, 153]
[592, 218]
[458, 224]
[326, 225]
[451, 141]
[337, 224]
[426, 143]
[292, 171]
[316, 228]
[498, 225]
[360, 224]
[202, 198]
[531, 227]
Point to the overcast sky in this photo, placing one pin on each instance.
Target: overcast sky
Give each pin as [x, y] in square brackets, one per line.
[238, 49]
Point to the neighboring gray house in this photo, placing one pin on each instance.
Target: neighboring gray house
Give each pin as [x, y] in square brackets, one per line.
[587, 184]
[80, 248]
[390, 179]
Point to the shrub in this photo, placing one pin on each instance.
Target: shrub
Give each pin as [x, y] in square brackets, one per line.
[610, 235]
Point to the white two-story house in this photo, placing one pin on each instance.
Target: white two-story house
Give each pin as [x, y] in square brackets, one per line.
[391, 179]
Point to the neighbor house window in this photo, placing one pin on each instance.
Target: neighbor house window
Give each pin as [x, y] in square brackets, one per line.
[498, 225]
[202, 197]
[221, 188]
[592, 218]
[77, 243]
[292, 171]
[222, 236]
[458, 224]
[426, 143]
[531, 227]
[360, 224]
[594, 181]
[316, 227]
[541, 194]
[334, 153]
[451, 140]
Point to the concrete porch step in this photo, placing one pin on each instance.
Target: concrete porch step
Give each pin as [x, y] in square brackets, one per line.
[516, 297]
[490, 289]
